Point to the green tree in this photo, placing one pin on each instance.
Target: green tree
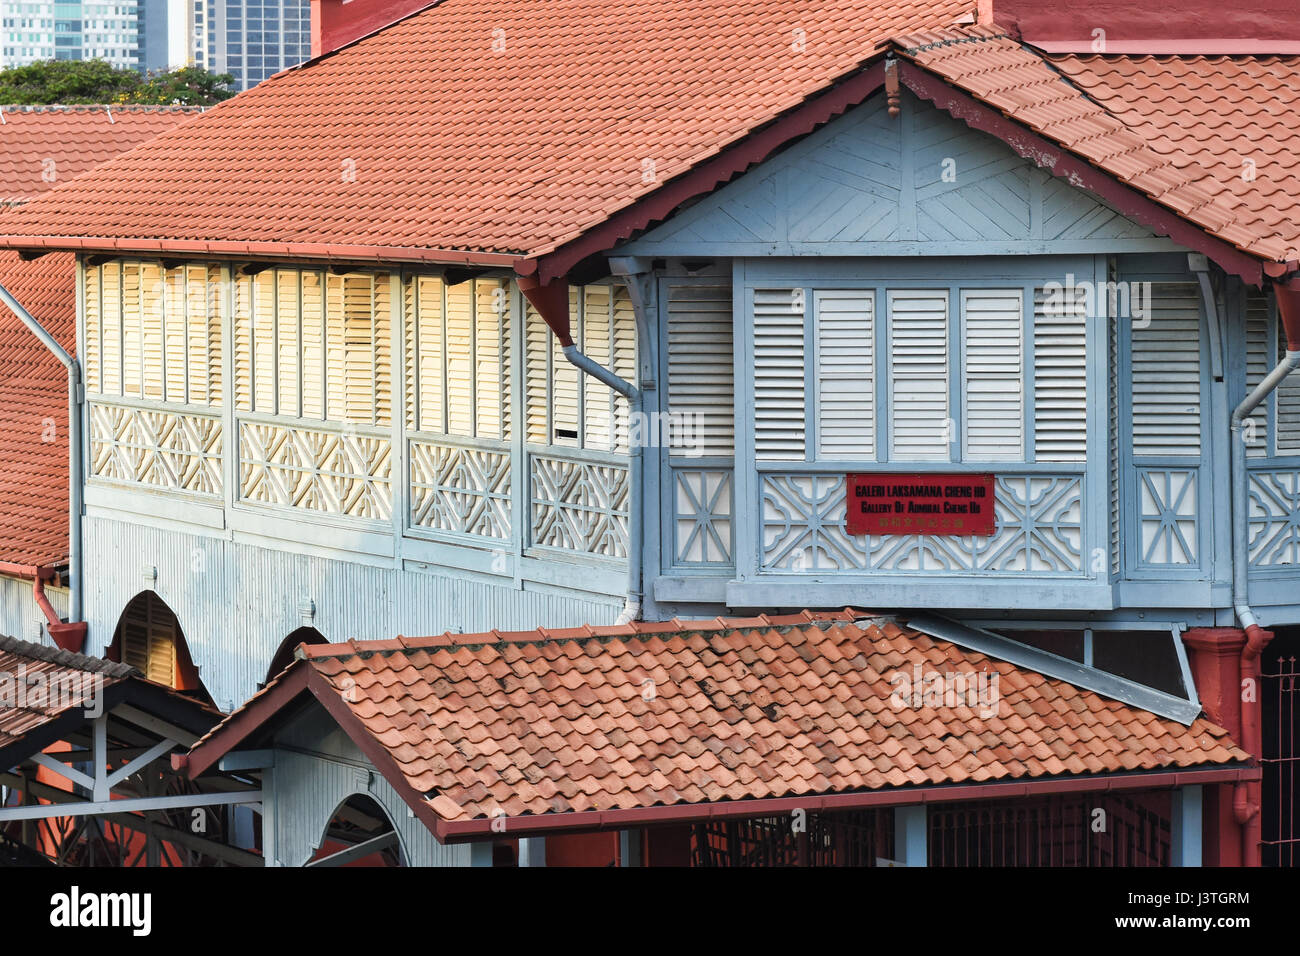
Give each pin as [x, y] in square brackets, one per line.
[50, 82]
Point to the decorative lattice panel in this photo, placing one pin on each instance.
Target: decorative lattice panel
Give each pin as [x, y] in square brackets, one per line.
[1167, 499]
[1039, 531]
[702, 513]
[579, 506]
[163, 449]
[1274, 510]
[461, 490]
[344, 472]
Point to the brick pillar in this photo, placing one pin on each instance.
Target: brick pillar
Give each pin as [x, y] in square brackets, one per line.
[1216, 669]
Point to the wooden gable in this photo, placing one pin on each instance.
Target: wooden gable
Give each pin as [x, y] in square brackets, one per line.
[919, 183]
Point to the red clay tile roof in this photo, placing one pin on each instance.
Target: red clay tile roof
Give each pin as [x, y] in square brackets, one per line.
[57, 669]
[498, 126]
[643, 715]
[1175, 128]
[43, 145]
[34, 411]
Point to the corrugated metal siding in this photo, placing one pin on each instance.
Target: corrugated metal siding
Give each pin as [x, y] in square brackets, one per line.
[237, 602]
[19, 615]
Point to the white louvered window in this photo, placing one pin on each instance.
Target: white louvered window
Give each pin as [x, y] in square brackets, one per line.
[314, 345]
[154, 333]
[1166, 354]
[779, 424]
[993, 392]
[921, 426]
[565, 407]
[1060, 374]
[458, 346]
[701, 376]
[845, 337]
[1258, 339]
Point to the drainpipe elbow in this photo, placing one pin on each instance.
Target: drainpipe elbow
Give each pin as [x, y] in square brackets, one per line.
[1243, 808]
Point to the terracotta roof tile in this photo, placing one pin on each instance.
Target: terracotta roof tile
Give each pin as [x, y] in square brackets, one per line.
[595, 743]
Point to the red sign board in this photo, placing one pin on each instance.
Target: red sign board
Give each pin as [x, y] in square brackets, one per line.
[920, 504]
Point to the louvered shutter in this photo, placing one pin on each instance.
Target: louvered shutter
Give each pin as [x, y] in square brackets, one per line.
[460, 359]
[243, 358]
[846, 374]
[701, 373]
[381, 345]
[1257, 366]
[1060, 375]
[358, 351]
[565, 393]
[487, 359]
[313, 345]
[1167, 373]
[264, 349]
[216, 311]
[148, 640]
[132, 346]
[624, 318]
[288, 346]
[920, 425]
[176, 336]
[779, 419]
[597, 398]
[191, 288]
[111, 304]
[994, 413]
[429, 356]
[92, 311]
[152, 358]
[537, 376]
[1288, 407]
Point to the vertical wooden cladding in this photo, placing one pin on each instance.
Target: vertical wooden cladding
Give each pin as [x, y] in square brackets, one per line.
[314, 345]
[154, 333]
[457, 344]
[564, 407]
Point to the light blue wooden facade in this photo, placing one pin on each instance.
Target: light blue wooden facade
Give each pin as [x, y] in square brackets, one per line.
[1110, 457]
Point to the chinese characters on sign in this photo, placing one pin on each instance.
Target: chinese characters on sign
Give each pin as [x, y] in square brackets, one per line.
[920, 504]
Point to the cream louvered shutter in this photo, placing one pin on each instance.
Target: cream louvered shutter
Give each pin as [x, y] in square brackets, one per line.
[920, 424]
[216, 311]
[190, 288]
[1060, 375]
[152, 359]
[488, 359]
[243, 332]
[701, 368]
[429, 354]
[537, 348]
[264, 345]
[1257, 366]
[349, 318]
[597, 303]
[1287, 439]
[779, 419]
[111, 304]
[1167, 373]
[381, 341]
[176, 336]
[460, 359]
[624, 318]
[845, 337]
[92, 311]
[565, 391]
[994, 419]
[132, 345]
[313, 345]
[288, 343]
[148, 641]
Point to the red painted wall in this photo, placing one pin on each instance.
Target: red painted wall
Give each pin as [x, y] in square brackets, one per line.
[1135, 20]
[336, 22]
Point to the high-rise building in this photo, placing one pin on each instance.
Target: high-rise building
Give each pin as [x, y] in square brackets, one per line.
[251, 39]
[71, 30]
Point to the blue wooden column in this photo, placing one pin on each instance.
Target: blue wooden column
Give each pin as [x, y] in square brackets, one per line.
[910, 835]
[1185, 827]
